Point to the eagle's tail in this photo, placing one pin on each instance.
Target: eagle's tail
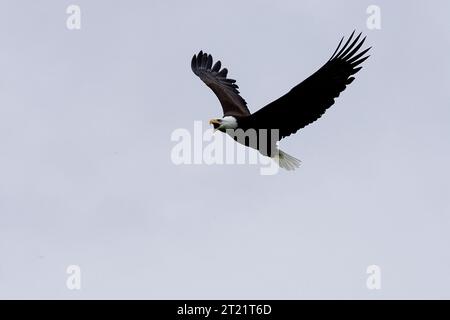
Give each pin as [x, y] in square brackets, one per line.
[286, 161]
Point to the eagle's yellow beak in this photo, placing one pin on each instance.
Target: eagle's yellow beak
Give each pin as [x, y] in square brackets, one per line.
[215, 123]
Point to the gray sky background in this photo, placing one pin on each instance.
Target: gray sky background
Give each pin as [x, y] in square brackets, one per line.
[86, 176]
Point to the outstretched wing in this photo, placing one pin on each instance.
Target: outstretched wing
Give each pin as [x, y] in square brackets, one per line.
[306, 102]
[225, 89]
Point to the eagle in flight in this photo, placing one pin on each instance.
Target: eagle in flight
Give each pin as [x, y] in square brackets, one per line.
[302, 105]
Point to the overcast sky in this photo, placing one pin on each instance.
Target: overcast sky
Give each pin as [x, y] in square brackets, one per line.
[86, 176]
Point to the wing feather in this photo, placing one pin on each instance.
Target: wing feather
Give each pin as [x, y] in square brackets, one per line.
[216, 78]
[309, 100]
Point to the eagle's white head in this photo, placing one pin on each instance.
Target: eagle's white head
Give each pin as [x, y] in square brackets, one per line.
[227, 122]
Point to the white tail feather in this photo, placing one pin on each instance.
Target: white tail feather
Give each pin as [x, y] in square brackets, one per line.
[286, 161]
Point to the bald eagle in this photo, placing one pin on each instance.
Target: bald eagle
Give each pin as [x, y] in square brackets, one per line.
[302, 105]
